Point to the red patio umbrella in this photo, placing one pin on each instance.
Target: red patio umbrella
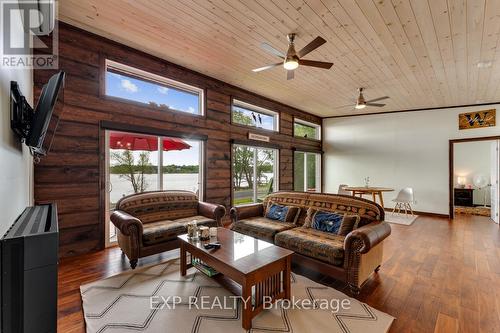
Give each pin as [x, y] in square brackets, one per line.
[130, 141]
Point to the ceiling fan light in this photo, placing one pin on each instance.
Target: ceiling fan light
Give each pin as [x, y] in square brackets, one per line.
[360, 106]
[291, 64]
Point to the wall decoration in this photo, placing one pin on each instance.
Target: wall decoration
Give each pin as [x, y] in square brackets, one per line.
[258, 137]
[477, 119]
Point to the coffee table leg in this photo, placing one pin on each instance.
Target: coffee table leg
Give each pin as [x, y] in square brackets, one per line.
[246, 311]
[183, 259]
[286, 277]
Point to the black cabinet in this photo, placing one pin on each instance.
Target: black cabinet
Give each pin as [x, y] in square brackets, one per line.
[463, 197]
[29, 272]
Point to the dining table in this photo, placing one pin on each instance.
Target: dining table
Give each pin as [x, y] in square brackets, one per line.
[374, 191]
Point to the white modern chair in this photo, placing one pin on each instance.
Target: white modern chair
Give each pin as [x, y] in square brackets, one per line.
[342, 191]
[404, 201]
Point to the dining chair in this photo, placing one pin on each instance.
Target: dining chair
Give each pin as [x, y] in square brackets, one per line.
[342, 191]
[404, 200]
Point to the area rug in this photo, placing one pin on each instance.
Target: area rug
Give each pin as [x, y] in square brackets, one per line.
[405, 219]
[158, 299]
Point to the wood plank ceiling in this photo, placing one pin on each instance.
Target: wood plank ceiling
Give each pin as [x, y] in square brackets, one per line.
[422, 53]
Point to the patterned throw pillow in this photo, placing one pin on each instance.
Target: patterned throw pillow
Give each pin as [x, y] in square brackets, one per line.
[349, 223]
[282, 213]
[326, 221]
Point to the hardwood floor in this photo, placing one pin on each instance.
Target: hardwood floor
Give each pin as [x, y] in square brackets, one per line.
[437, 276]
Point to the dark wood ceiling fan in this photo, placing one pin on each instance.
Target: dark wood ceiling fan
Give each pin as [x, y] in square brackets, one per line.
[292, 59]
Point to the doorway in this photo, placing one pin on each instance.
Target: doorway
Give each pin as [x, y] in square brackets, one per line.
[473, 175]
[137, 163]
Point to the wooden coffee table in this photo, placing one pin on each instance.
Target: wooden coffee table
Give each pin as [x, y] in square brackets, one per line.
[247, 266]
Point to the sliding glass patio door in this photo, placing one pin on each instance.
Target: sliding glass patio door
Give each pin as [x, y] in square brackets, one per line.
[137, 163]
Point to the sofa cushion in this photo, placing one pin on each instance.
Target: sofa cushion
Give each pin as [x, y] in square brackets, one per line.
[327, 221]
[349, 223]
[313, 243]
[261, 227]
[164, 231]
[160, 205]
[282, 213]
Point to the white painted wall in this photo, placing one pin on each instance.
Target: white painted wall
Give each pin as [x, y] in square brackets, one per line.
[397, 150]
[472, 159]
[16, 166]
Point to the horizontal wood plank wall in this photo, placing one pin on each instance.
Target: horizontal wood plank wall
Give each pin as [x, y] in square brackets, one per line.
[70, 175]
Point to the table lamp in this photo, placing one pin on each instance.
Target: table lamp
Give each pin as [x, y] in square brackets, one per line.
[461, 181]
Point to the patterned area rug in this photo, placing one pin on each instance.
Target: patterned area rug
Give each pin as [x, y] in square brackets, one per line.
[400, 218]
[143, 301]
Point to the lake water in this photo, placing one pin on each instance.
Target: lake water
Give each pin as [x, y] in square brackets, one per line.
[121, 187]
[172, 181]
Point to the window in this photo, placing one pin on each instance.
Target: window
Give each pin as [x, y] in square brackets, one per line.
[307, 172]
[251, 115]
[134, 164]
[304, 129]
[134, 84]
[255, 173]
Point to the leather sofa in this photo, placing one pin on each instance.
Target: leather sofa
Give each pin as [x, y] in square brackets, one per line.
[149, 223]
[351, 258]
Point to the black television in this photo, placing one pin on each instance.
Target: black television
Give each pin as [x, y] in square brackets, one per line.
[37, 127]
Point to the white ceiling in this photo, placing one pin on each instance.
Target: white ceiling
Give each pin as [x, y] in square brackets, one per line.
[422, 53]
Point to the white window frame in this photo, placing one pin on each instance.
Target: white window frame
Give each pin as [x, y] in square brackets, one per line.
[158, 79]
[306, 123]
[258, 109]
[317, 173]
[255, 189]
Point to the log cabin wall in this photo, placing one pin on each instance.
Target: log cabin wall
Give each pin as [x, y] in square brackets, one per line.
[72, 173]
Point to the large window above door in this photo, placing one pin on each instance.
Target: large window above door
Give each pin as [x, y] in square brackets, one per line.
[307, 172]
[255, 173]
[254, 116]
[133, 84]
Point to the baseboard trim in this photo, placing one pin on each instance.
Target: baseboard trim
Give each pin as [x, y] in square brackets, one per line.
[445, 216]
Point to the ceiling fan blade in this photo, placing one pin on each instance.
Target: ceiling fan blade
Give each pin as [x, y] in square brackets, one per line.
[290, 74]
[272, 50]
[313, 63]
[344, 106]
[317, 42]
[377, 99]
[375, 104]
[260, 69]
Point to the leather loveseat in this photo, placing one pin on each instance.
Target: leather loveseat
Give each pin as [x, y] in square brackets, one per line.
[148, 223]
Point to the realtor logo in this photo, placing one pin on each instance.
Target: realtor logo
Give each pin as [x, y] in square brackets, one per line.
[22, 25]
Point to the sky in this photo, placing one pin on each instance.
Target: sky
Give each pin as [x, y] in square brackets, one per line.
[130, 88]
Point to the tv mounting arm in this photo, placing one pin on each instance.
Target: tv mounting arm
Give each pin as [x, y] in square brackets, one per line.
[21, 112]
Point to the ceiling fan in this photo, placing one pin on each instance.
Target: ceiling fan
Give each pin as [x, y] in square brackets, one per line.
[292, 59]
[361, 103]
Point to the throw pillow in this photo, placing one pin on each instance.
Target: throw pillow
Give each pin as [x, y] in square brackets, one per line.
[287, 214]
[327, 221]
[309, 217]
[349, 223]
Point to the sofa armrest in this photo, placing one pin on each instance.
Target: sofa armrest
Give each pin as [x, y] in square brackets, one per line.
[126, 223]
[211, 210]
[367, 237]
[245, 211]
